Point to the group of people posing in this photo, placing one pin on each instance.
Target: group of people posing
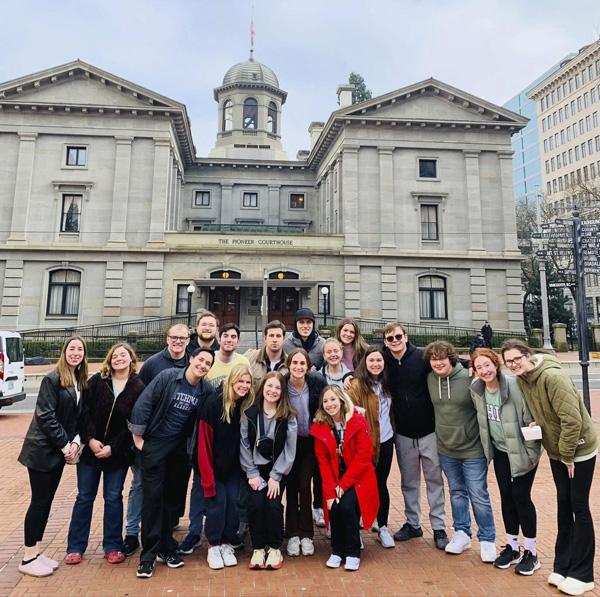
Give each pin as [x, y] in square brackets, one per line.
[316, 420]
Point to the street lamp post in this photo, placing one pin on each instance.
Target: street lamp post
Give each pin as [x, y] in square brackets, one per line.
[325, 293]
[542, 274]
[190, 290]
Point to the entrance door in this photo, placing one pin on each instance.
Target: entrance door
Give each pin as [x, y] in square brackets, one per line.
[283, 304]
[224, 302]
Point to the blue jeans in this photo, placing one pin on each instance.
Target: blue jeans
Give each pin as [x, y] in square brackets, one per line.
[222, 516]
[467, 480]
[88, 479]
[135, 500]
[197, 506]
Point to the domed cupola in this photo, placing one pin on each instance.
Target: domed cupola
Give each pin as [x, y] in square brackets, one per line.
[250, 103]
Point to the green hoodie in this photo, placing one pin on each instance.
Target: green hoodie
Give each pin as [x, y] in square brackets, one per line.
[456, 426]
[568, 433]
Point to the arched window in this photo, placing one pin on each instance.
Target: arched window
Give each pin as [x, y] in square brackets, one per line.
[432, 297]
[272, 118]
[63, 292]
[227, 115]
[250, 120]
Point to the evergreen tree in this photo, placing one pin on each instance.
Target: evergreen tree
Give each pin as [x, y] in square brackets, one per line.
[360, 93]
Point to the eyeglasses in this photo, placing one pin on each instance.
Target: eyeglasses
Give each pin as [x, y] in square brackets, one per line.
[178, 338]
[396, 337]
[513, 362]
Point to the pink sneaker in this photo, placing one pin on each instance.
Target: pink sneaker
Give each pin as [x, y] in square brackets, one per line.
[35, 568]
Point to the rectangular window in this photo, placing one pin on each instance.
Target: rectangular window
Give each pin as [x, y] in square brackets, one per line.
[579, 103]
[583, 151]
[593, 95]
[562, 136]
[71, 213]
[432, 297]
[558, 162]
[592, 170]
[543, 125]
[559, 93]
[429, 222]
[560, 184]
[577, 153]
[551, 143]
[545, 145]
[577, 81]
[181, 308]
[250, 200]
[560, 114]
[552, 164]
[597, 142]
[585, 172]
[568, 133]
[297, 201]
[76, 155]
[588, 123]
[547, 166]
[202, 199]
[595, 119]
[590, 147]
[573, 111]
[542, 104]
[427, 168]
[570, 156]
[581, 127]
[586, 99]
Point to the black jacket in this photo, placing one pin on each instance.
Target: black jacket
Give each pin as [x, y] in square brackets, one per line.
[151, 407]
[280, 431]
[413, 411]
[55, 423]
[159, 362]
[193, 344]
[110, 429]
[218, 443]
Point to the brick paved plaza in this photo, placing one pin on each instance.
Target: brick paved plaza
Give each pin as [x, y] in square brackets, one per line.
[412, 568]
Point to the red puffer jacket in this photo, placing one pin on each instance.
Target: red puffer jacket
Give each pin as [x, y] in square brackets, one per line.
[358, 456]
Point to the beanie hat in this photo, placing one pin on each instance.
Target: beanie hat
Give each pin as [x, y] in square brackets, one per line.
[304, 314]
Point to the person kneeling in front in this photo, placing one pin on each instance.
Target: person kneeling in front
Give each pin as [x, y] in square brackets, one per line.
[345, 455]
[163, 424]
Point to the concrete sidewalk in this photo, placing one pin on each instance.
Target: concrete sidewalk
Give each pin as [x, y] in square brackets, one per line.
[412, 568]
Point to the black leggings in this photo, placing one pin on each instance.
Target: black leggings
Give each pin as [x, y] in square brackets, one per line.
[515, 497]
[43, 488]
[382, 472]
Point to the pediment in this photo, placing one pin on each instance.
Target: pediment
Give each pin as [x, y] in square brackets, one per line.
[79, 83]
[432, 100]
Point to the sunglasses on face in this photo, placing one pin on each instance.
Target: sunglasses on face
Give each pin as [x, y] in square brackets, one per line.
[396, 337]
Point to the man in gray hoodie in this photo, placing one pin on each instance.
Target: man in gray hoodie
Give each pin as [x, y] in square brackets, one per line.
[460, 449]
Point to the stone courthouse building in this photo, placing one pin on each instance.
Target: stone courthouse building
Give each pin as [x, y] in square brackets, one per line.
[402, 206]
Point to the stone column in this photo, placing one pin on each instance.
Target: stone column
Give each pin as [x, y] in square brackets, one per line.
[478, 296]
[274, 205]
[22, 194]
[11, 293]
[474, 200]
[514, 297]
[560, 337]
[508, 201]
[227, 204]
[160, 191]
[113, 290]
[153, 291]
[538, 336]
[351, 289]
[350, 198]
[338, 207]
[386, 198]
[118, 220]
[173, 201]
[389, 292]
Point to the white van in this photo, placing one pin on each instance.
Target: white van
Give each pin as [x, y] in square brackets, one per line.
[12, 368]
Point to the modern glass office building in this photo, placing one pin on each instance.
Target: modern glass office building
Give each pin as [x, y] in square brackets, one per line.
[527, 169]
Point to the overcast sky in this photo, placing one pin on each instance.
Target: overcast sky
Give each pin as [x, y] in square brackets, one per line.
[182, 48]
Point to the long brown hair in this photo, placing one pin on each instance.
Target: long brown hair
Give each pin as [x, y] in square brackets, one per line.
[359, 344]
[66, 378]
[321, 416]
[284, 407]
[364, 378]
[229, 396]
[106, 369]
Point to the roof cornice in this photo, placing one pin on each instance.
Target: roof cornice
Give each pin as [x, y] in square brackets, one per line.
[249, 85]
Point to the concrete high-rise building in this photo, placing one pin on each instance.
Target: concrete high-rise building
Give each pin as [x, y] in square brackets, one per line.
[568, 112]
[527, 169]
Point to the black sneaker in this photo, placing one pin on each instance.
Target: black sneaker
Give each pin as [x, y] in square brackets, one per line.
[528, 564]
[440, 538]
[238, 541]
[130, 544]
[188, 545]
[145, 570]
[171, 560]
[507, 557]
[408, 532]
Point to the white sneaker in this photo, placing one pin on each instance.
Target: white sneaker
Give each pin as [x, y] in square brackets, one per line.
[459, 542]
[487, 550]
[307, 546]
[333, 561]
[258, 559]
[228, 555]
[352, 564]
[555, 579]
[214, 558]
[274, 559]
[293, 547]
[48, 561]
[385, 538]
[319, 517]
[572, 586]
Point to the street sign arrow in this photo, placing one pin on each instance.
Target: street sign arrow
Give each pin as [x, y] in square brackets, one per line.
[566, 272]
[560, 284]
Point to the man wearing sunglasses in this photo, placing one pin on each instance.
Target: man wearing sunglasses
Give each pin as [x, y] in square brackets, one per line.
[416, 444]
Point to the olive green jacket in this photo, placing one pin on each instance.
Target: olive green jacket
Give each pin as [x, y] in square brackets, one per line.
[556, 406]
[523, 455]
